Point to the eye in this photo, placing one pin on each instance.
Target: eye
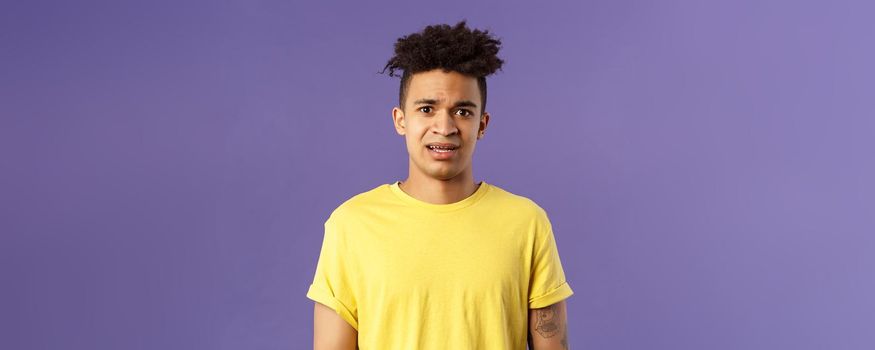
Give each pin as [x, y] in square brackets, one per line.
[420, 109]
[466, 112]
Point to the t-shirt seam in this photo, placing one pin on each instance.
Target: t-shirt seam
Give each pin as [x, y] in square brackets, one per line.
[419, 206]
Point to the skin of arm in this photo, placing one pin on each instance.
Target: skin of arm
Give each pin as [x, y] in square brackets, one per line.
[548, 327]
[330, 331]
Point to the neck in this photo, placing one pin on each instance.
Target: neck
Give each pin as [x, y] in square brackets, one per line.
[437, 191]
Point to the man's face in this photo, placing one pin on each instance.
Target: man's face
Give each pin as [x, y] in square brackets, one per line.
[443, 108]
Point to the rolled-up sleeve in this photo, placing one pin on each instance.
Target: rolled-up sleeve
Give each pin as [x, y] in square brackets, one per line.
[331, 283]
[547, 281]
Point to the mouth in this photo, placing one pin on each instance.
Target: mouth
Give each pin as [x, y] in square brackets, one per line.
[442, 151]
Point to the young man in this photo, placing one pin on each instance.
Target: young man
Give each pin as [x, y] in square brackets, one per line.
[437, 261]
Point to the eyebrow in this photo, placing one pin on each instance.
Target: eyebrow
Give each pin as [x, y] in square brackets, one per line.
[431, 101]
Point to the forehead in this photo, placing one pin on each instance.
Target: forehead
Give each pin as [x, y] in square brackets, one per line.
[446, 87]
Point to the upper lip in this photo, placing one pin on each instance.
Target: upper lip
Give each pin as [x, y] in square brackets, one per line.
[443, 144]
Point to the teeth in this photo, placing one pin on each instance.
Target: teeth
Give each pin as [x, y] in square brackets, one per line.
[440, 150]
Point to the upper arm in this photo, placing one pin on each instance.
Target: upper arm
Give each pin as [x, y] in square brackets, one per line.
[548, 327]
[332, 332]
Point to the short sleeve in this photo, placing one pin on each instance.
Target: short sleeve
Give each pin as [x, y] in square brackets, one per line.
[547, 282]
[331, 283]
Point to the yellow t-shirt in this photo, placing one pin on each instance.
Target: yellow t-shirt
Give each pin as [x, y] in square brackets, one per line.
[408, 274]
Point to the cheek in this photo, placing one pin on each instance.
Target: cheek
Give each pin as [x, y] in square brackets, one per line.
[413, 144]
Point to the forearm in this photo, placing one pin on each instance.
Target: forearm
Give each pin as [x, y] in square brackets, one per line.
[560, 344]
[331, 332]
[548, 329]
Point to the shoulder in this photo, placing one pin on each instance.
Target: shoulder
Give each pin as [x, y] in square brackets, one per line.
[358, 203]
[518, 204]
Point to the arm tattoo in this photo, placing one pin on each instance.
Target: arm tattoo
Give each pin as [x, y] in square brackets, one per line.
[550, 324]
[549, 321]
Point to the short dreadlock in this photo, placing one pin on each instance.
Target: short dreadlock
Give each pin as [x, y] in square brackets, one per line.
[456, 48]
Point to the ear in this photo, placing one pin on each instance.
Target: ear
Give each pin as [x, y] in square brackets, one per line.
[399, 120]
[484, 121]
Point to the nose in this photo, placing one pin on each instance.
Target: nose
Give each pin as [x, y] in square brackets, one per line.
[444, 124]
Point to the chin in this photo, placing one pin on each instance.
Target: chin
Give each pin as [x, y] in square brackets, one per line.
[440, 174]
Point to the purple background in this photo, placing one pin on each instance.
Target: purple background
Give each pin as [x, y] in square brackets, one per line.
[167, 166]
